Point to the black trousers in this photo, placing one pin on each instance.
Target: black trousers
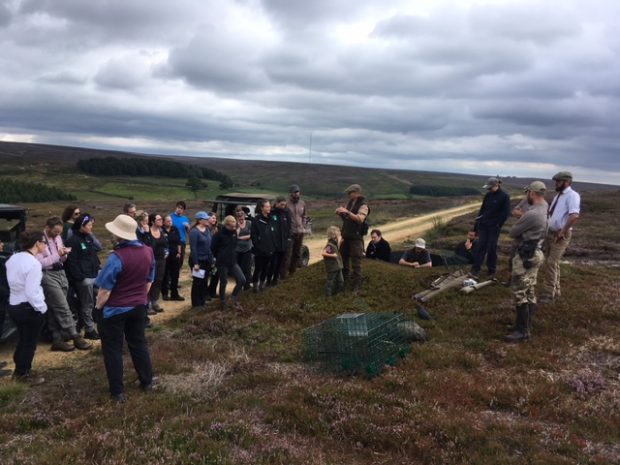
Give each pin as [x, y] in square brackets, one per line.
[28, 323]
[160, 268]
[261, 268]
[172, 272]
[200, 286]
[244, 260]
[130, 326]
[275, 267]
[236, 273]
[488, 236]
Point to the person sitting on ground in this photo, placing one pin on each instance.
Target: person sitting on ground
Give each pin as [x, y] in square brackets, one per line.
[467, 249]
[82, 267]
[124, 284]
[27, 305]
[418, 256]
[378, 248]
[333, 263]
[223, 247]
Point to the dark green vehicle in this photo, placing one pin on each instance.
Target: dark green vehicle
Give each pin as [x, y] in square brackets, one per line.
[226, 204]
[12, 224]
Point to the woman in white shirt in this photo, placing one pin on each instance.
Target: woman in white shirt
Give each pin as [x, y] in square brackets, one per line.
[26, 303]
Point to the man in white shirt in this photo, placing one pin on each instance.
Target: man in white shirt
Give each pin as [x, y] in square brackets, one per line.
[563, 214]
[27, 305]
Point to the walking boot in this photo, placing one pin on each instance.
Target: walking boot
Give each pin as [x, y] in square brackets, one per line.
[164, 296]
[155, 306]
[520, 334]
[81, 344]
[62, 346]
[177, 298]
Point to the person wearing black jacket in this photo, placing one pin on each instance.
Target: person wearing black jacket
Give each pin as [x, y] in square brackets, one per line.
[263, 243]
[159, 244]
[170, 284]
[465, 251]
[494, 212]
[281, 220]
[223, 246]
[82, 267]
[378, 248]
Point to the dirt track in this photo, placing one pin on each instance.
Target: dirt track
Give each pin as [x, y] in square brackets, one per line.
[402, 229]
[393, 232]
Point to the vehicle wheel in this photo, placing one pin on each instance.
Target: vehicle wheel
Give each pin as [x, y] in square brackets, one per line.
[305, 256]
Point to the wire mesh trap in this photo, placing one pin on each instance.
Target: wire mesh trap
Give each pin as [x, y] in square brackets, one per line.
[358, 343]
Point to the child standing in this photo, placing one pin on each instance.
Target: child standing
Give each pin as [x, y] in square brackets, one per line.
[333, 263]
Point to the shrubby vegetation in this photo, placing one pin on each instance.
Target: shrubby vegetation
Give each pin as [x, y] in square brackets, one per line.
[443, 191]
[12, 191]
[112, 166]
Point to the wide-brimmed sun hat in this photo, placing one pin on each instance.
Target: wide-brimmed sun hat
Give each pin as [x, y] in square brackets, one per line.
[123, 226]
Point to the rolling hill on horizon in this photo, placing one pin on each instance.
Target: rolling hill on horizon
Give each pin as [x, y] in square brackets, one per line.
[57, 164]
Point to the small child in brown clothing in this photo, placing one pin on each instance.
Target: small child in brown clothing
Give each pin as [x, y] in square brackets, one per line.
[333, 263]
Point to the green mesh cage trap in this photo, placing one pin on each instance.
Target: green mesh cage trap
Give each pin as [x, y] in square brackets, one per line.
[358, 343]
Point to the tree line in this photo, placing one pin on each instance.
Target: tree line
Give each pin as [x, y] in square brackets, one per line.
[442, 191]
[113, 166]
[14, 191]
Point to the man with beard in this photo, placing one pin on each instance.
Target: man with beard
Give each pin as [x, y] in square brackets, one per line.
[563, 214]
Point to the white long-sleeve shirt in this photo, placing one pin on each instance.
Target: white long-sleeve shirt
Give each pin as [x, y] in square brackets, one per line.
[24, 274]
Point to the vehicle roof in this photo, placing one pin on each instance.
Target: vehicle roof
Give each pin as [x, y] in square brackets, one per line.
[251, 196]
[6, 206]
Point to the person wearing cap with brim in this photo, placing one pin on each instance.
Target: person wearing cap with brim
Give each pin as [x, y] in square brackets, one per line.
[563, 213]
[354, 227]
[522, 207]
[493, 213]
[417, 256]
[201, 257]
[528, 232]
[121, 307]
[297, 208]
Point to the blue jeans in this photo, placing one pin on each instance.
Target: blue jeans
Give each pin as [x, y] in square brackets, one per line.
[488, 236]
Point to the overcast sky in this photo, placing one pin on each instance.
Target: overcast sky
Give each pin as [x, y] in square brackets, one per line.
[492, 87]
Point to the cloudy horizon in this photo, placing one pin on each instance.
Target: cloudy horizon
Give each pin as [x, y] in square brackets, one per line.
[518, 88]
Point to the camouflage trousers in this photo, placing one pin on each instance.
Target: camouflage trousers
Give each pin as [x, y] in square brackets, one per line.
[550, 271]
[523, 281]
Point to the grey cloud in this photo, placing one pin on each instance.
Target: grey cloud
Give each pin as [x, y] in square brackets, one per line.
[5, 15]
[214, 59]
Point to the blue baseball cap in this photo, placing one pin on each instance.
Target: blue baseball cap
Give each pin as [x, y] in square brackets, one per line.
[202, 216]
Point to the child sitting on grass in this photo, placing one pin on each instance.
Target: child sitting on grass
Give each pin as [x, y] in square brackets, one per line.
[333, 263]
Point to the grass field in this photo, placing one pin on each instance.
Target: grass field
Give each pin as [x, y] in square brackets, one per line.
[233, 388]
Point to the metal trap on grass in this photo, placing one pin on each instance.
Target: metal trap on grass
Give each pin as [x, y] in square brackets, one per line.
[358, 343]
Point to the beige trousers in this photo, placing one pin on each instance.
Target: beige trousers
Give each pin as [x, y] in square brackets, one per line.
[550, 271]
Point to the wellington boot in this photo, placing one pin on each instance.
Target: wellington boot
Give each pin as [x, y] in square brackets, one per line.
[520, 334]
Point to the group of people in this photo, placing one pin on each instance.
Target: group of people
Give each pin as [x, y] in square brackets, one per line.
[62, 262]
[271, 240]
[540, 237]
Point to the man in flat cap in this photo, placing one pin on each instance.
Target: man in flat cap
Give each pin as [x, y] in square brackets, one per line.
[493, 213]
[354, 228]
[529, 233]
[563, 214]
